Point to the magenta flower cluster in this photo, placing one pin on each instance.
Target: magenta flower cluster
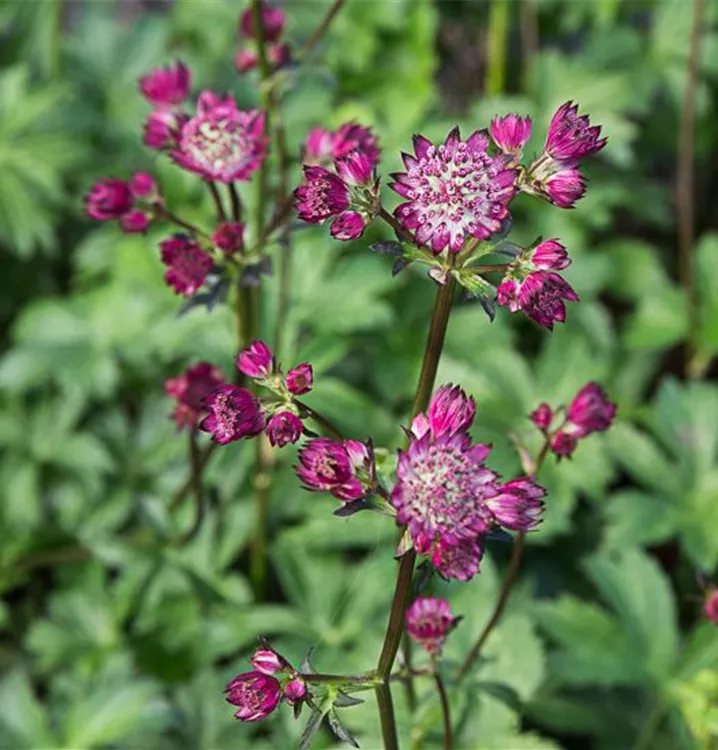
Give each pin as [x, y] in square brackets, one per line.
[132, 203]
[589, 412]
[445, 494]
[272, 21]
[258, 693]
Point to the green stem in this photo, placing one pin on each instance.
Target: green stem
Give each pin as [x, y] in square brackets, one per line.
[445, 712]
[235, 202]
[496, 47]
[196, 466]
[217, 199]
[320, 419]
[402, 589]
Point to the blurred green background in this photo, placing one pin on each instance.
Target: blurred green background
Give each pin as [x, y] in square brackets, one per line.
[110, 636]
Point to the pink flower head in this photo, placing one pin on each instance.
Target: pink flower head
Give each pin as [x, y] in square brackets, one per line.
[267, 661]
[349, 225]
[454, 191]
[229, 237]
[542, 416]
[108, 199]
[322, 196]
[283, 428]
[187, 265]
[167, 87]
[256, 361]
[549, 255]
[272, 22]
[507, 294]
[341, 468]
[571, 137]
[450, 411]
[233, 413]
[563, 444]
[135, 222]
[511, 133]
[590, 411]
[190, 391]
[255, 694]
[542, 296]
[162, 129]
[318, 146]
[143, 185]
[458, 562]
[295, 691]
[710, 606]
[564, 187]
[222, 142]
[518, 505]
[352, 137]
[428, 620]
[300, 379]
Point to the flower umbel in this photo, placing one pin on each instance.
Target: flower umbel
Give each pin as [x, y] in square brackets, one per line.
[428, 621]
[187, 264]
[453, 191]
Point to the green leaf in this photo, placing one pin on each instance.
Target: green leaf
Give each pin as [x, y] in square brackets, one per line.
[23, 722]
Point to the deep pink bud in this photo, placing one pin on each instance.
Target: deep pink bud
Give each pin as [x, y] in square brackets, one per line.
[256, 361]
[135, 222]
[550, 255]
[450, 411]
[563, 444]
[295, 691]
[245, 60]
[591, 411]
[428, 620]
[187, 265]
[564, 188]
[710, 606]
[283, 428]
[542, 416]
[356, 168]
[255, 694]
[507, 294]
[143, 185]
[511, 133]
[190, 391]
[162, 129]
[234, 413]
[108, 199]
[570, 136]
[542, 296]
[347, 226]
[518, 504]
[327, 465]
[229, 237]
[300, 379]
[267, 661]
[318, 146]
[166, 87]
[354, 137]
[272, 23]
[279, 55]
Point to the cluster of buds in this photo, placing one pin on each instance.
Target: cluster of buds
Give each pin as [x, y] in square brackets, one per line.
[272, 22]
[445, 495]
[555, 174]
[234, 412]
[531, 284]
[323, 147]
[589, 412]
[134, 204]
[259, 692]
[428, 622]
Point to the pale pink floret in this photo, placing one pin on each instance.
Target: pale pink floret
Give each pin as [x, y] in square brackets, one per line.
[511, 133]
[457, 562]
[256, 361]
[453, 191]
[222, 142]
[428, 621]
[255, 694]
[283, 428]
[233, 413]
[187, 265]
[190, 390]
[167, 87]
[507, 294]
[300, 379]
